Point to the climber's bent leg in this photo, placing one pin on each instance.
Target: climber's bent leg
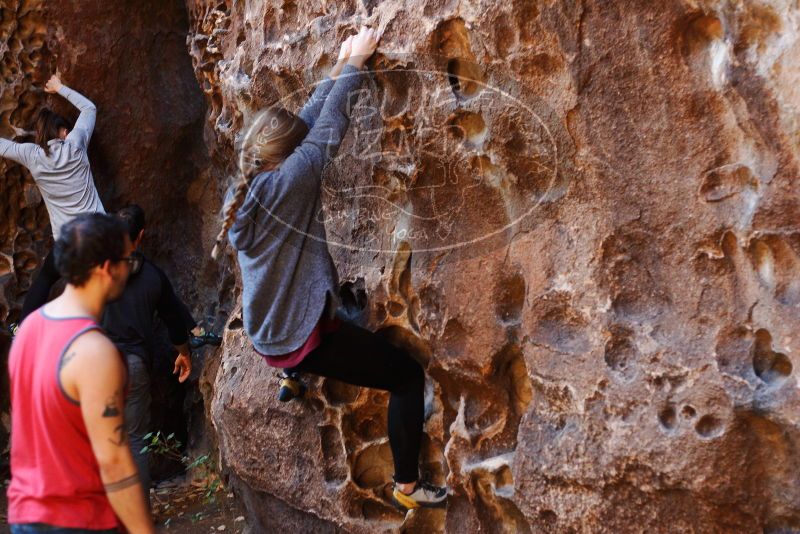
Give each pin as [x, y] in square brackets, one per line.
[357, 356]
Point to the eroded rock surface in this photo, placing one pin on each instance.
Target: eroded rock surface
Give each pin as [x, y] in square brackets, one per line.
[581, 216]
[616, 352]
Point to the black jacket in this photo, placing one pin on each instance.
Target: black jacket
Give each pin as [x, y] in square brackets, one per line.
[130, 320]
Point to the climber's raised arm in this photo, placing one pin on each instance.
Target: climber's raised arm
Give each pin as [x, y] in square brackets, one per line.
[312, 108]
[59, 164]
[280, 142]
[82, 131]
[290, 285]
[322, 141]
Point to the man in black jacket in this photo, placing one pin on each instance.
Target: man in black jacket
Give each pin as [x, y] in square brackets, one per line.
[130, 323]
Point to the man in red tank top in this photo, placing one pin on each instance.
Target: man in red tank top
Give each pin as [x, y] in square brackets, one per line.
[71, 468]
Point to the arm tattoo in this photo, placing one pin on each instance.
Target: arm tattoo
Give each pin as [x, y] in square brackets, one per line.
[111, 409]
[65, 360]
[122, 434]
[122, 484]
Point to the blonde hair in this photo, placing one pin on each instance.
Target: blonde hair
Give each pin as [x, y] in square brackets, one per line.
[272, 136]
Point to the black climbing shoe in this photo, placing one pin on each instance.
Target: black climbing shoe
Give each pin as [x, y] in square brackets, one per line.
[291, 387]
[425, 495]
[12, 330]
[206, 338]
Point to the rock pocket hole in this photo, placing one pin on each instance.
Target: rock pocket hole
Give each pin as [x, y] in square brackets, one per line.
[667, 417]
[469, 128]
[709, 426]
[778, 266]
[353, 296]
[466, 78]
[25, 260]
[769, 366]
[688, 412]
[764, 263]
[452, 41]
[727, 181]
[704, 46]
[548, 517]
[396, 309]
[373, 466]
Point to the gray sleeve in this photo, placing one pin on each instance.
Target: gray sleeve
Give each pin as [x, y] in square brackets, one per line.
[22, 153]
[304, 166]
[84, 126]
[311, 109]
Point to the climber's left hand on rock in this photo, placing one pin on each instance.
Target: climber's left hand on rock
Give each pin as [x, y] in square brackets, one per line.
[53, 84]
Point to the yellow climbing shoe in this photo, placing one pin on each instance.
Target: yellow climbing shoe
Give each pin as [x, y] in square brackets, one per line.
[425, 495]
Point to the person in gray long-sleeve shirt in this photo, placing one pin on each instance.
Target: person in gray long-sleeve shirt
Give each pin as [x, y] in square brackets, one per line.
[290, 283]
[59, 164]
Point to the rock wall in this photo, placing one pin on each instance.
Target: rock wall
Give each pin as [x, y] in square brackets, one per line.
[580, 216]
[592, 243]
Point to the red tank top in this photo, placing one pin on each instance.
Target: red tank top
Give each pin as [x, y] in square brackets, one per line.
[55, 478]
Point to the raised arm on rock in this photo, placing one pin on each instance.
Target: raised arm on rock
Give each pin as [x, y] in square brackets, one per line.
[322, 141]
[312, 108]
[84, 126]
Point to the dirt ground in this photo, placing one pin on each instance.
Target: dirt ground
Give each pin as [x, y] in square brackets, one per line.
[181, 507]
[187, 507]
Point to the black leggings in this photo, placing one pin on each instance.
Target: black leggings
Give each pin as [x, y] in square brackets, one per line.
[39, 291]
[357, 356]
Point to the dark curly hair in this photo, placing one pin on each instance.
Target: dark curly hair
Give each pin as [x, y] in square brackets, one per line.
[86, 242]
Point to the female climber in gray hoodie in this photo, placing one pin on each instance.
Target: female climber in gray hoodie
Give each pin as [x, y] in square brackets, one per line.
[290, 284]
[60, 167]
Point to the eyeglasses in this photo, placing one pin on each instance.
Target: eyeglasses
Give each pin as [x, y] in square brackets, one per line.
[135, 260]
